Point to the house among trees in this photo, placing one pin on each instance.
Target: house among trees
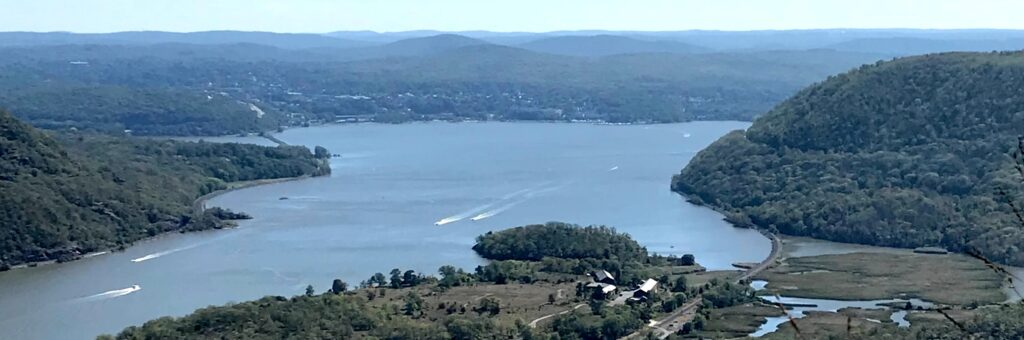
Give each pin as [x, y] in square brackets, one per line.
[646, 289]
[603, 276]
[606, 289]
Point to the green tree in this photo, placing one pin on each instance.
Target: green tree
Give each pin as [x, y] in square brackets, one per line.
[378, 280]
[450, 276]
[409, 278]
[489, 305]
[396, 278]
[310, 291]
[680, 284]
[687, 260]
[413, 304]
[338, 286]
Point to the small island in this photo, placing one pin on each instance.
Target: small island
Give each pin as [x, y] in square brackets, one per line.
[544, 281]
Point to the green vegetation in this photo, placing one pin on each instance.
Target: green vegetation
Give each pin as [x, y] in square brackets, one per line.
[907, 153]
[879, 276]
[80, 193]
[561, 240]
[566, 248]
[610, 323]
[459, 305]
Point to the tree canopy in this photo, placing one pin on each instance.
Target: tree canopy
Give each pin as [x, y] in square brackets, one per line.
[69, 194]
[561, 240]
[907, 153]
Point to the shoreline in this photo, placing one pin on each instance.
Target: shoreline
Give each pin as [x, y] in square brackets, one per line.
[198, 206]
[1013, 295]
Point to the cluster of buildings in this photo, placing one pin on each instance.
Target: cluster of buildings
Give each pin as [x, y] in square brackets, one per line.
[604, 282]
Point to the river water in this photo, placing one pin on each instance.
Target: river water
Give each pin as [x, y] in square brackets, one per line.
[379, 211]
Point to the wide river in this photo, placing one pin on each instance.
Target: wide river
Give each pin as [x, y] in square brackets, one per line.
[378, 211]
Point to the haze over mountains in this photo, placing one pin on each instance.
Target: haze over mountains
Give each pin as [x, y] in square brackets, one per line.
[584, 42]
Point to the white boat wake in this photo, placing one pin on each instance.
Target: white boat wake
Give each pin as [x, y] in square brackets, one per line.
[526, 197]
[111, 294]
[494, 212]
[461, 216]
[613, 168]
[482, 212]
[166, 252]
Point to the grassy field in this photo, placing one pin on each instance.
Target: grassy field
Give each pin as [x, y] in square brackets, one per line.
[524, 302]
[947, 279]
[699, 279]
[931, 319]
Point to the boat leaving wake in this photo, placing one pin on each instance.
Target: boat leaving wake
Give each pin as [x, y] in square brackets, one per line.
[613, 168]
[110, 294]
[463, 215]
[166, 252]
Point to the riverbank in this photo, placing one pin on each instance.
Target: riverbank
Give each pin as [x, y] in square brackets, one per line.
[198, 206]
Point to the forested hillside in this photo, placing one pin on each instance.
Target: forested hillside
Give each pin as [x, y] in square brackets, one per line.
[908, 153]
[183, 89]
[79, 193]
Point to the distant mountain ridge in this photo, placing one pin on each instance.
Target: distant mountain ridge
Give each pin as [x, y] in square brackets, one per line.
[605, 45]
[861, 40]
[279, 40]
[904, 46]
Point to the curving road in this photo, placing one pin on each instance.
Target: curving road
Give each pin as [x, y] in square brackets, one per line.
[768, 262]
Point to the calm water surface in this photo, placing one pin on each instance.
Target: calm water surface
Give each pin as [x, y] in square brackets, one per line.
[378, 211]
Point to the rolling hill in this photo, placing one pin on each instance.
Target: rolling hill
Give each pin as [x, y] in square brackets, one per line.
[80, 193]
[906, 153]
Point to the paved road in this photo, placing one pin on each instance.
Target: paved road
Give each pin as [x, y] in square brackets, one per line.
[673, 322]
[768, 262]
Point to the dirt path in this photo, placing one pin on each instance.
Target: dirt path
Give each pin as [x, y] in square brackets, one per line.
[533, 324]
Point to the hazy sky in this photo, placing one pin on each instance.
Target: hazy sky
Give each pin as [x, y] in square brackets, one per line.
[501, 15]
